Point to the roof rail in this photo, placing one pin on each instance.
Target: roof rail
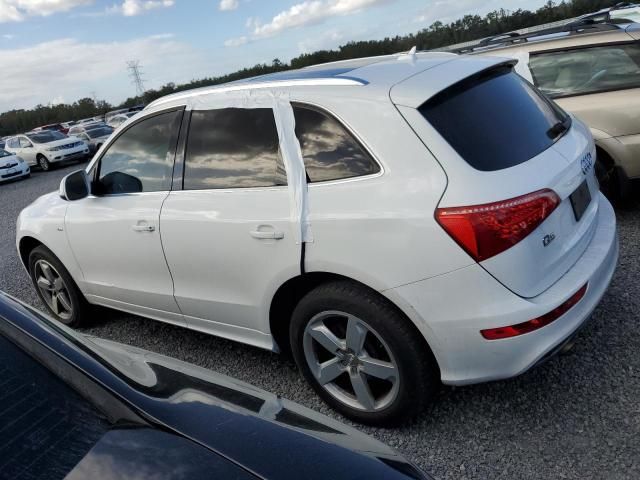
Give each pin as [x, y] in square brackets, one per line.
[572, 28]
[601, 20]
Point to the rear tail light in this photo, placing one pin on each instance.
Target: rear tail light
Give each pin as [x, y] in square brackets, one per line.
[491, 228]
[536, 323]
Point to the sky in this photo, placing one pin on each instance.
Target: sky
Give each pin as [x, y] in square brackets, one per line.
[57, 51]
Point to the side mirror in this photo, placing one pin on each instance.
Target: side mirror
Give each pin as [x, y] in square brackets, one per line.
[75, 186]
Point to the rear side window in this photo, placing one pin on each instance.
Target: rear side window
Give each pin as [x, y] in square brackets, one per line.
[328, 149]
[587, 70]
[494, 120]
[233, 148]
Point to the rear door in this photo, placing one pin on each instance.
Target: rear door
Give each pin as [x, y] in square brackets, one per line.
[228, 236]
[500, 140]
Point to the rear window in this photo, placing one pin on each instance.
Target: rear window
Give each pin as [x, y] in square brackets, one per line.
[495, 119]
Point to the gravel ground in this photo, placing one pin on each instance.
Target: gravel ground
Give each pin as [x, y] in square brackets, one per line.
[576, 416]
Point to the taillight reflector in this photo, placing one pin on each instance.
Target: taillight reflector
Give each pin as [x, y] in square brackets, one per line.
[491, 228]
[536, 323]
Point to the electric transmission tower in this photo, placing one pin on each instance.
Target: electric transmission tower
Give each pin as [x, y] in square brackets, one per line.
[135, 72]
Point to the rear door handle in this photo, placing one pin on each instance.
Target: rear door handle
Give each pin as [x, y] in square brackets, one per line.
[141, 227]
[267, 235]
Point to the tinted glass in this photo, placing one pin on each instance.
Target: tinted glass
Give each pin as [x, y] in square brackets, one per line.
[137, 161]
[233, 148]
[46, 136]
[587, 70]
[13, 143]
[4, 153]
[328, 150]
[100, 132]
[494, 120]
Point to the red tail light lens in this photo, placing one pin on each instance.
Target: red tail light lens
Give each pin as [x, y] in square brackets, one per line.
[491, 228]
[536, 323]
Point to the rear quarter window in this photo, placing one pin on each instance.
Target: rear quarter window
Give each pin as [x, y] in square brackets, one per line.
[329, 151]
[494, 119]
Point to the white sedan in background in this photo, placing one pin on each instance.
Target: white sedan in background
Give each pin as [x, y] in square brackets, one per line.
[12, 166]
[47, 147]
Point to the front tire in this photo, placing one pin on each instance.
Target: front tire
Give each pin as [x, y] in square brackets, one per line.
[56, 289]
[361, 355]
[45, 165]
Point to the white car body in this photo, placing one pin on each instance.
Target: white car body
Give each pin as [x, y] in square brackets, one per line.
[12, 166]
[68, 148]
[195, 257]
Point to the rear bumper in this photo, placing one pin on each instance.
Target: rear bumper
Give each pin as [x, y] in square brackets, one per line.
[451, 309]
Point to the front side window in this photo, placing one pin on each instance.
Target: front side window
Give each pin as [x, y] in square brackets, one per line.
[328, 149]
[24, 143]
[587, 70]
[233, 148]
[139, 159]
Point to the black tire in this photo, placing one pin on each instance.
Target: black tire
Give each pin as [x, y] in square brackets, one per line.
[417, 371]
[80, 307]
[608, 180]
[43, 163]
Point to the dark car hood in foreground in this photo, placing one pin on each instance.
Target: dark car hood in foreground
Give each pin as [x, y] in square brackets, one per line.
[257, 431]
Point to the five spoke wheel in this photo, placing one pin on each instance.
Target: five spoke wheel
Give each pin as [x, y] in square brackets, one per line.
[53, 289]
[351, 361]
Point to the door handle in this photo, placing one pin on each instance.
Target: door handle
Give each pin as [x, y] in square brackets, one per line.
[144, 228]
[267, 235]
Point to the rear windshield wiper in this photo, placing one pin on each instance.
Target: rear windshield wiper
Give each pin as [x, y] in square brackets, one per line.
[559, 128]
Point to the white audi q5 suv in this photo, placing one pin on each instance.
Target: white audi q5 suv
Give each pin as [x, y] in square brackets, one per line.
[394, 222]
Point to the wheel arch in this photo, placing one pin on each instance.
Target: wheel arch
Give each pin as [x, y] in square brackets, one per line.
[25, 246]
[291, 292]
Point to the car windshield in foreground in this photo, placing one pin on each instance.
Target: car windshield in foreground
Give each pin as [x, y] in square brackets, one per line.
[495, 119]
[4, 153]
[45, 137]
[99, 132]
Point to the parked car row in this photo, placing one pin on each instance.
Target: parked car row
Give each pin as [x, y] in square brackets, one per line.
[45, 147]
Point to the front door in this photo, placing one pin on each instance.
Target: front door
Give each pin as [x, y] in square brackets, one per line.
[115, 232]
[228, 236]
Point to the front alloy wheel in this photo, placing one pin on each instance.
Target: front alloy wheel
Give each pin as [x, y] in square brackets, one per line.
[44, 163]
[56, 288]
[351, 361]
[53, 290]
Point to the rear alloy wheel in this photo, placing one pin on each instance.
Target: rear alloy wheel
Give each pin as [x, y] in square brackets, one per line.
[361, 355]
[56, 288]
[45, 165]
[343, 365]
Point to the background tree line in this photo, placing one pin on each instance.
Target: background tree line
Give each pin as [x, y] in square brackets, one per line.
[467, 28]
